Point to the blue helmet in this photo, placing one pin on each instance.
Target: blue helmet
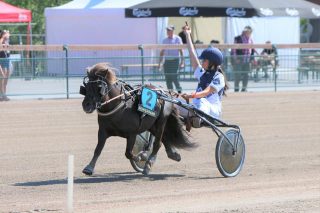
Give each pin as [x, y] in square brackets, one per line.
[213, 55]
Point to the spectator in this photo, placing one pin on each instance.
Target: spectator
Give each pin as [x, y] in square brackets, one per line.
[198, 42]
[213, 42]
[268, 57]
[4, 65]
[182, 36]
[241, 59]
[171, 58]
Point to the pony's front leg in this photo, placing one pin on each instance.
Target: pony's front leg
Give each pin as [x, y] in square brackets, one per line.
[130, 143]
[102, 137]
[156, 147]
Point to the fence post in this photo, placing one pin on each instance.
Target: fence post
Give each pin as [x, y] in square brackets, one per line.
[142, 62]
[65, 48]
[275, 75]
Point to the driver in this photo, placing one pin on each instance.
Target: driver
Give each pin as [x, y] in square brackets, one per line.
[211, 81]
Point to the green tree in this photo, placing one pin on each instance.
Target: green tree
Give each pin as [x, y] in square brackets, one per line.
[37, 8]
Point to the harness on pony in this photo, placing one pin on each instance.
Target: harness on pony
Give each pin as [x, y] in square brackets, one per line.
[145, 97]
[127, 93]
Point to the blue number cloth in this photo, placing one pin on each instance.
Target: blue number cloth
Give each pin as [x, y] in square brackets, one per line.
[149, 98]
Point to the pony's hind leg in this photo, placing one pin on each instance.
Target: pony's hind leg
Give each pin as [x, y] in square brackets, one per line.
[102, 137]
[172, 152]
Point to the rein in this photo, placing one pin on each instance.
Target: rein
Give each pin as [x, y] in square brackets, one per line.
[121, 104]
[104, 93]
[118, 107]
[118, 96]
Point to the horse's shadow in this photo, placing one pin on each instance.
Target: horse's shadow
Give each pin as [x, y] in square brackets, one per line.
[104, 178]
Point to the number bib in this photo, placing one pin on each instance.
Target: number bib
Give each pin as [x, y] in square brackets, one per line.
[148, 102]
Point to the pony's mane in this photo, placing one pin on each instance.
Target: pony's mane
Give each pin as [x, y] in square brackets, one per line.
[104, 70]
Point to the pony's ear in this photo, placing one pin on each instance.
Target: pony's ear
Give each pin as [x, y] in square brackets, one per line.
[107, 74]
[110, 76]
[102, 73]
[88, 70]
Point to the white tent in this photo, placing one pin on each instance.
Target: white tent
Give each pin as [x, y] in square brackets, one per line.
[99, 22]
[96, 22]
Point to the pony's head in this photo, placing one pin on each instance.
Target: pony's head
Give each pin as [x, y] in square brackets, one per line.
[95, 86]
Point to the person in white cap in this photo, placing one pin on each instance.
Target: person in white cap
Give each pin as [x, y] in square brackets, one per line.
[172, 60]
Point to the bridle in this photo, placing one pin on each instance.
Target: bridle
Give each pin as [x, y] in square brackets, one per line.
[104, 90]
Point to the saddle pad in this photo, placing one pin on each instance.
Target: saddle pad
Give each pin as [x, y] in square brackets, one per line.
[149, 100]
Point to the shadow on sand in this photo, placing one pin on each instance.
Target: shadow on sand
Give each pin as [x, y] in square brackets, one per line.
[104, 178]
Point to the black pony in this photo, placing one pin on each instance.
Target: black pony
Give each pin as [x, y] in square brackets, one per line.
[116, 103]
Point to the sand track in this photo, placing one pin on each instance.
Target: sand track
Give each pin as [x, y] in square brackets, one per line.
[281, 171]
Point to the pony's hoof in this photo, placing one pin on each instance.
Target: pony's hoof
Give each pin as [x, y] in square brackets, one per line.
[136, 158]
[144, 156]
[146, 169]
[174, 156]
[88, 170]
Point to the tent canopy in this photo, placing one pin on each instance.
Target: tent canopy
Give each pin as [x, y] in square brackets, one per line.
[224, 8]
[10, 13]
[97, 22]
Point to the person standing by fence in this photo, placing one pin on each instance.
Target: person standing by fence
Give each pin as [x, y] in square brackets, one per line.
[172, 61]
[268, 57]
[4, 65]
[241, 59]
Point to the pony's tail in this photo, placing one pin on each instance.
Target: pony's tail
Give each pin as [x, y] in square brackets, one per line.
[174, 133]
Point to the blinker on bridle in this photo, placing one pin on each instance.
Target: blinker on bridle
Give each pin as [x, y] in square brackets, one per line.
[102, 84]
[103, 88]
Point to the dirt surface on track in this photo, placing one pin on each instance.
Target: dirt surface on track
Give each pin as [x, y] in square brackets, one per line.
[281, 171]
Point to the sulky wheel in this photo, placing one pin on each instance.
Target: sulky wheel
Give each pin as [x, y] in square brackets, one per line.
[229, 161]
[142, 149]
